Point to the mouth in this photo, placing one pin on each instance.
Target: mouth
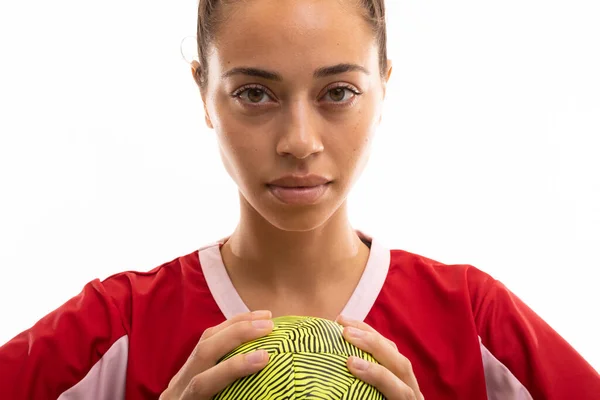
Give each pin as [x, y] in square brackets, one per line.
[299, 181]
[299, 195]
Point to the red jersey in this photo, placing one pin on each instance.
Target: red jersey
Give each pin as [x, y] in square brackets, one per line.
[466, 335]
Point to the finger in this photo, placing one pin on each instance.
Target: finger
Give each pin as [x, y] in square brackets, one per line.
[381, 378]
[209, 351]
[249, 316]
[210, 382]
[383, 350]
[345, 321]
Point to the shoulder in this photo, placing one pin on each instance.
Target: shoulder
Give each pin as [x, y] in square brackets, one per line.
[161, 282]
[405, 264]
[167, 271]
[171, 271]
[424, 277]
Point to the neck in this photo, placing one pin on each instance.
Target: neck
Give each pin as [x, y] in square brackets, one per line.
[300, 261]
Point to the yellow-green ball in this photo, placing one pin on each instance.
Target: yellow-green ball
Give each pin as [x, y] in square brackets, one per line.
[307, 360]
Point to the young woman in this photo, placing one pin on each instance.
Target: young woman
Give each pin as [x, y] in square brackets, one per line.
[294, 93]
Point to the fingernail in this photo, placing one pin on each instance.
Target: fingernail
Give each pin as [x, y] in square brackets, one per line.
[345, 320]
[256, 357]
[261, 314]
[353, 332]
[359, 363]
[262, 323]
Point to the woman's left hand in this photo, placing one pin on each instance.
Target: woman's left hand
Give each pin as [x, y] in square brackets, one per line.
[394, 376]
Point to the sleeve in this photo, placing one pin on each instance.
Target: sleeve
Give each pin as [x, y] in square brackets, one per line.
[520, 350]
[76, 350]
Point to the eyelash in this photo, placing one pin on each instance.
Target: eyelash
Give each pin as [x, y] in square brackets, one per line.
[237, 94]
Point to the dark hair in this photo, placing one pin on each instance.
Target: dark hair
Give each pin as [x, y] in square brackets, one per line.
[209, 19]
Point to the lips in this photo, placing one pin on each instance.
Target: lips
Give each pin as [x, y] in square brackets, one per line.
[299, 190]
[299, 181]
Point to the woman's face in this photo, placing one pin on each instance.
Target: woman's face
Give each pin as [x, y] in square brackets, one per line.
[294, 94]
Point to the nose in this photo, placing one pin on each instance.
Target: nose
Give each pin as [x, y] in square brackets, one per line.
[300, 136]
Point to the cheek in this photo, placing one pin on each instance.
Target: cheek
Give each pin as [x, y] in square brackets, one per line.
[360, 155]
[228, 162]
[351, 146]
[241, 153]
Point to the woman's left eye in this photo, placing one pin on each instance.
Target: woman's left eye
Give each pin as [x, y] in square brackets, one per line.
[341, 94]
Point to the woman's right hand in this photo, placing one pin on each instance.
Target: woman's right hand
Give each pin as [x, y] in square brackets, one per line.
[201, 377]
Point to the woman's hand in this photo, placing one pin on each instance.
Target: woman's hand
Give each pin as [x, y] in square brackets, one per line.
[201, 377]
[394, 377]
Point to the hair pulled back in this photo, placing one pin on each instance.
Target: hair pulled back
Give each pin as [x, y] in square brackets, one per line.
[211, 15]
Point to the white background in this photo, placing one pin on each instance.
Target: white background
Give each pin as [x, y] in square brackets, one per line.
[488, 153]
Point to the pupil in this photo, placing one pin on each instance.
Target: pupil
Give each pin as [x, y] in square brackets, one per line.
[337, 94]
[255, 95]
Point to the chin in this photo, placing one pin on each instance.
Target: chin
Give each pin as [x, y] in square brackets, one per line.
[302, 221]
[292, 218]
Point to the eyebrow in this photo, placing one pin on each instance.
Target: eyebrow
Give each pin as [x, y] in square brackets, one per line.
[274, 76]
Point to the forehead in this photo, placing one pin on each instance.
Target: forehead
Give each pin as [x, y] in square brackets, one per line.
[294, 34]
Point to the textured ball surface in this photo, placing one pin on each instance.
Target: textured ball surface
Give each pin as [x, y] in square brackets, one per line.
[307, 361]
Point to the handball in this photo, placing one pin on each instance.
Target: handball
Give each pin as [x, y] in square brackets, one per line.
[307, 360]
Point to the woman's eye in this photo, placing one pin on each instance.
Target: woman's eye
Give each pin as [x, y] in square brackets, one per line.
[252, 95]
[341, 94]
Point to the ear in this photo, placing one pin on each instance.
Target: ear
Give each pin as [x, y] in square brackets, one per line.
[196, 75]
[387, 75]
[207, 117]
[389, 70]
[387, 78]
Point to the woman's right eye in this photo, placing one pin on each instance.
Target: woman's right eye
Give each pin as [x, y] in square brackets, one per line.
[252, 95]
